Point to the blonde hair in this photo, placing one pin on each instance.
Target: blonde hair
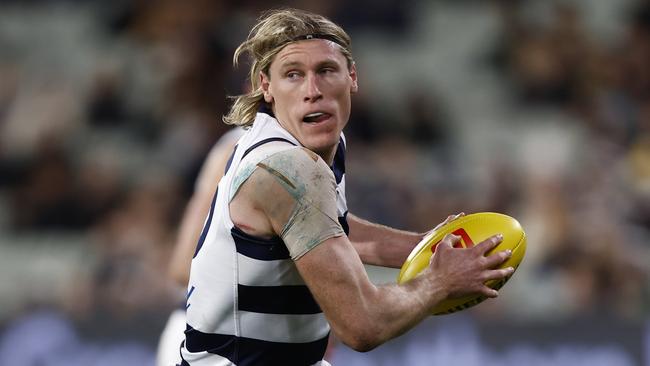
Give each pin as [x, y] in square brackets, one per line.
[274, 30]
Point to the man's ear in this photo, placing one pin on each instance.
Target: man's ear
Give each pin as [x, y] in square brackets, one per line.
[353, 75]
[265, 83]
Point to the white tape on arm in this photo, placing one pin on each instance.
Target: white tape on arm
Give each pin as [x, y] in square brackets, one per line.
[308, 179]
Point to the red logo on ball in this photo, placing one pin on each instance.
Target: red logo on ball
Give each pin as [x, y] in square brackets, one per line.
[465, 240]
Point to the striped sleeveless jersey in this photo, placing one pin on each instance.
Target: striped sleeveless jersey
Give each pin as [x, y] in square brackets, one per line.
[246, 303]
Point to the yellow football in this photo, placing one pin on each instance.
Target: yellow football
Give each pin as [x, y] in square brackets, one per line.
[472, 229]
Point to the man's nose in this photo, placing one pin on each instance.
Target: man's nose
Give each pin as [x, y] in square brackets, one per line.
[313, 92]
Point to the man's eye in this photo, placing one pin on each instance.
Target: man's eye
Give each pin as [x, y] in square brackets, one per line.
[293, 75]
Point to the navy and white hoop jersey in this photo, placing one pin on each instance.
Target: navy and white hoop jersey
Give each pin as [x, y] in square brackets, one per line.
[246, 302]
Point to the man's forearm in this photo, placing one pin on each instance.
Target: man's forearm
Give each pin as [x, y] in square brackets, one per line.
[379, 244]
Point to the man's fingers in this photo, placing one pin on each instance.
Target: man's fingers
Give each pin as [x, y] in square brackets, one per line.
[497, 274]
[489, 292]
[449, 219]
[497, 258]
[450, 240]
[489, 244]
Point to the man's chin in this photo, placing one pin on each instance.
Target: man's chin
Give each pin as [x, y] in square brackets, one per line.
[323, 147]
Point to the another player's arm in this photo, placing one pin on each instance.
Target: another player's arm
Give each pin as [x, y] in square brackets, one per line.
[382, 245]
[197, 210]
[362, 314]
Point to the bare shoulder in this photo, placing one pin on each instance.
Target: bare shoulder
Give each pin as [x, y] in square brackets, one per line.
[280, 182]
[297, 170]
[291, 194]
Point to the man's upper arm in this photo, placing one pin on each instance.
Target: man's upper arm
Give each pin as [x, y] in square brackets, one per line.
[297, 192]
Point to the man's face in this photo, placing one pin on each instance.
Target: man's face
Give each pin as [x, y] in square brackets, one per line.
[309, 86]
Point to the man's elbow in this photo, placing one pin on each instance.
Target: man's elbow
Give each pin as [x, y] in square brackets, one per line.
[360, 339]
[361, 345]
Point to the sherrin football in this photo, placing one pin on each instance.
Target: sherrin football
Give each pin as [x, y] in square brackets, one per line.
[472, 230]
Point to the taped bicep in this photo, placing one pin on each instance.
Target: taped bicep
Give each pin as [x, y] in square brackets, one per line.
[299, 199]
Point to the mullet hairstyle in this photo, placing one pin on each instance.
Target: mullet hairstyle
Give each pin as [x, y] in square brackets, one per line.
[273, 31]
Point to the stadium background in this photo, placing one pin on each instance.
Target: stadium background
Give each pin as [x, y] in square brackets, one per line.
[538, 109]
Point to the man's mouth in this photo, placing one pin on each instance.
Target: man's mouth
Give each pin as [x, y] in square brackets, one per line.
[316, 117]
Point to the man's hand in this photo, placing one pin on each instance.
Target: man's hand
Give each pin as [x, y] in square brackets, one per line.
[464, 271]
[449, 219]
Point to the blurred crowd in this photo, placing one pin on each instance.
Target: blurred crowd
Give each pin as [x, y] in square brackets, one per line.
[107, 110]
[596, 213]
